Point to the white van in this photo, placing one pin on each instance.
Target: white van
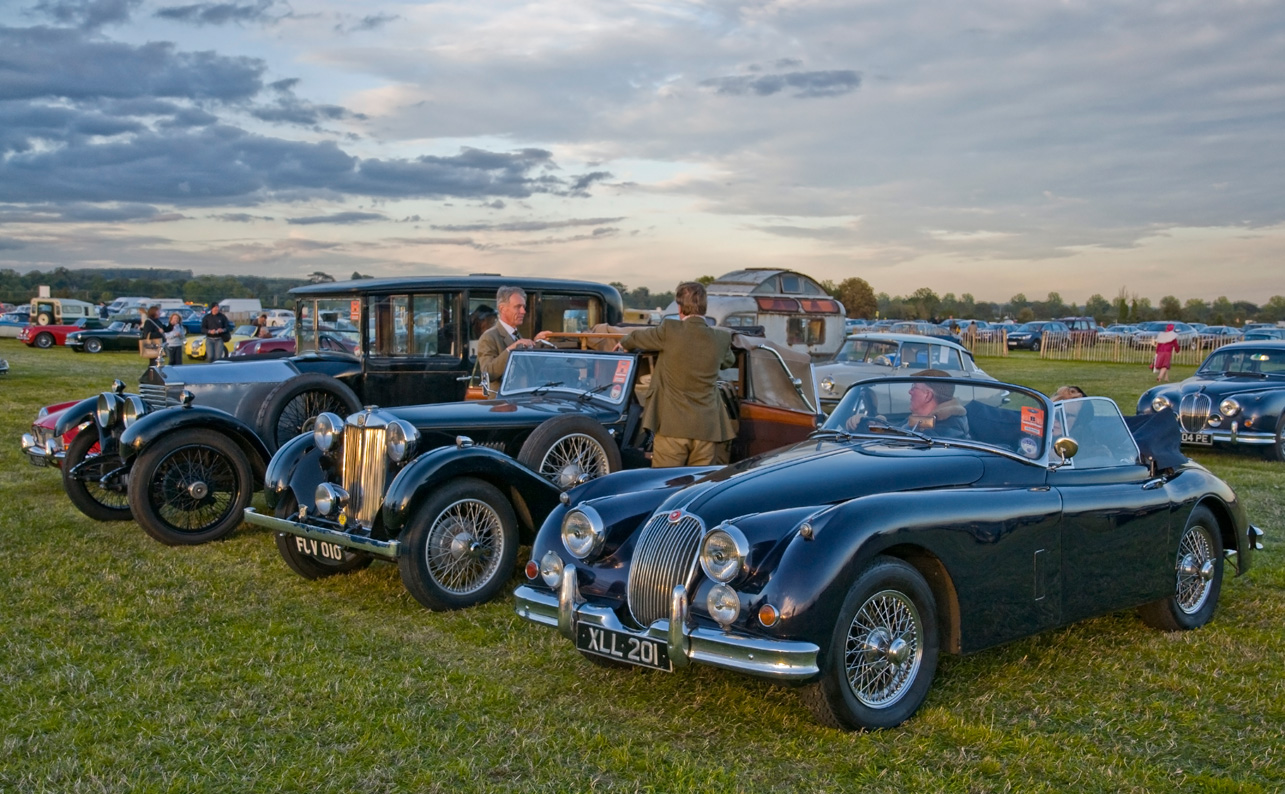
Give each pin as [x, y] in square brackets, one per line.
[241, 310]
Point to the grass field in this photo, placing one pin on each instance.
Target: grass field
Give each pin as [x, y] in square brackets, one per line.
[129, 666]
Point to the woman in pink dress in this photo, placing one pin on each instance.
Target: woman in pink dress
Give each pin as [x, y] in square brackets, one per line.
[1166, 346]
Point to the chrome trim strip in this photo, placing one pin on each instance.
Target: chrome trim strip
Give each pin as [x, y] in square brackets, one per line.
[785, 660]
[1232, 437]
[386, 549]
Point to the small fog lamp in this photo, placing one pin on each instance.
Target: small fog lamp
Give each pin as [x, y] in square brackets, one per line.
[724, 604]
[551, 569]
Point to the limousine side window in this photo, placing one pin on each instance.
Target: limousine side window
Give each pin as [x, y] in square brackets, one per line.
[410, 326]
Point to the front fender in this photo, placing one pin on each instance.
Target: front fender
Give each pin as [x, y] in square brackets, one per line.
[296, 466]
[533, 496]
[154, 426]
[76, 415]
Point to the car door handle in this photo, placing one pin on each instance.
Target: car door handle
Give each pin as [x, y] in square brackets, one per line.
[1151, 485]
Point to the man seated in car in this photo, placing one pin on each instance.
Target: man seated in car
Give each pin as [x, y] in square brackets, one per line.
[934, 410]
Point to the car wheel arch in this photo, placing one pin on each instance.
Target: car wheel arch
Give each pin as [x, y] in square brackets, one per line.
[934, 571]
[1222, 514]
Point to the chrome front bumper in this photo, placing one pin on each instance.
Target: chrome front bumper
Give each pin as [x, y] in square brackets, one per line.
[1234, 436]
[38, 455]
[384, 549]
[786, 660]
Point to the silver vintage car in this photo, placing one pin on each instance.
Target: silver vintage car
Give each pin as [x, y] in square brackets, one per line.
[875, 355]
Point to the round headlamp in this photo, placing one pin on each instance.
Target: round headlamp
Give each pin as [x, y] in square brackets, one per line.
[827, 384]
[108, 409]
[723, 553]
[329, 499]
[326, 430]
[582, 531]
[402, 440]
[133, 408]
[724, 604]
[551, 569]
[1159, 403]
[1229, 407]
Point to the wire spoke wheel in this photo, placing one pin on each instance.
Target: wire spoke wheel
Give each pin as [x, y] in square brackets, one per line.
[1195, 569]
[464, 546]
[883, 649]
[299, 415]
[195, 487]
[574, 459]
[92, 472]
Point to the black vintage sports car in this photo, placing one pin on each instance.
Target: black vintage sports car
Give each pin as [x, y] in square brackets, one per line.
[1236, 397]
[402, 484]
[847, 562]
[117, 336]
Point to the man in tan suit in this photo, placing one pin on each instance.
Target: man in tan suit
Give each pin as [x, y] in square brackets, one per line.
[494, 345]
[684, 408]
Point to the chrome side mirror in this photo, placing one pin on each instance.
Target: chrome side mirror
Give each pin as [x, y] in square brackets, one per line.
[1066, 448]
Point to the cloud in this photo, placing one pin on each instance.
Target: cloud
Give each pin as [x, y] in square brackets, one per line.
[338, 218]
[369, 22]
[57, 63]
[87, 14]
[11, 245]
[526, 226]
[241, 217]
[803, 84]
[82, 213]
[223, 13]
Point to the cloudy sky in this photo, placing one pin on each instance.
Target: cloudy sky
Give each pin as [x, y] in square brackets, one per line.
[988, 147]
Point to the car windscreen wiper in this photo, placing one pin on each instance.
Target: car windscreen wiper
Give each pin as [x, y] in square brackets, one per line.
[544, 387]
[883, 427]
[584, 397]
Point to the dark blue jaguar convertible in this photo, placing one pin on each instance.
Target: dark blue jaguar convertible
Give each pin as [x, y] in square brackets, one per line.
[847, 562]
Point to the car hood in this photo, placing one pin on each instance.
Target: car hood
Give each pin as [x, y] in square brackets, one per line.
[497, 414]
[274, 371]
[1224, 385]
[821, 472]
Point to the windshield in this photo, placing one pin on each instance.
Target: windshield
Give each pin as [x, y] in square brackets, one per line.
[865, 351]
[329, 324]
[1245, 361]
[118, 326]
[995, 415]
[606, 376]
[1098, 428]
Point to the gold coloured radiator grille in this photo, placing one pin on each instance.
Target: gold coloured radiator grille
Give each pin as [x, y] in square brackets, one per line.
[365, 469]
[664, 558]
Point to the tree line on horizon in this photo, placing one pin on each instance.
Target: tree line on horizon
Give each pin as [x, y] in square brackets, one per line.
[102, 285]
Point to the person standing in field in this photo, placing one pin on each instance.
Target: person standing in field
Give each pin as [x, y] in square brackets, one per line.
[1166, 346]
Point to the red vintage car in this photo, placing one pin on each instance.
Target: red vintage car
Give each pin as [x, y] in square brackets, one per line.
[46, 336]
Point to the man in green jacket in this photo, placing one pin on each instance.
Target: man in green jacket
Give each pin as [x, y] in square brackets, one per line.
[683, 407]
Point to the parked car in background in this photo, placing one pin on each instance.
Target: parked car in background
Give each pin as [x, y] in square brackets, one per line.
[201, 434]
[922, 329]
[849, 562]
[281, 343]
[1031, 336]
[1259, 334]
[47, 336]
[194, 347]
[1212, 334]
[1146, 334]
[60, 311]
[1236, 398]
[399, 484]
[1084, 330]
[1117, 333]
[117, 336]
[12, 323]
[872, 355]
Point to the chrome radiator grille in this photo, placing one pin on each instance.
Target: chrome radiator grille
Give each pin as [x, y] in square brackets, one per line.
[1194, 411]
[365, 468]
[156, 396]
[665, 557]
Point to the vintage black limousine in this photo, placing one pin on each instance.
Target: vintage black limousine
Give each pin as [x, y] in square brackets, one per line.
[393, 341]
[449, 492]
[847, 562]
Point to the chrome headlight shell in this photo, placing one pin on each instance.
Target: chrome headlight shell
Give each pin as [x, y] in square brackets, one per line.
[108, 409]
[724, 604]
[551, 569]
[327, 430]
[329, 499]
[723, 553]
[1160, 402]
[582, 531]
[827, 384]
[1229, 407]
[402, 437]
[133, 408]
